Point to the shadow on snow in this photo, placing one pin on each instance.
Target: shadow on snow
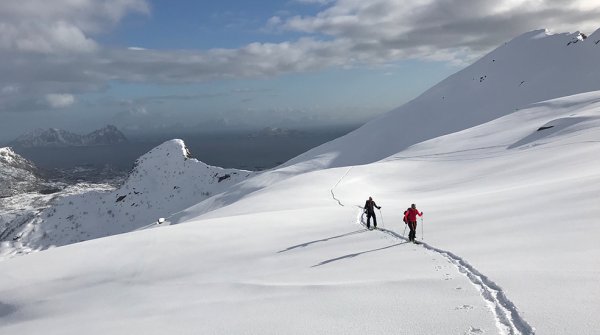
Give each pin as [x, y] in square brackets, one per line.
[303, 245]
[357, 254]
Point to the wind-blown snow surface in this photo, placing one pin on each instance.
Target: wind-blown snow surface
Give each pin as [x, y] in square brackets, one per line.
[510, 224]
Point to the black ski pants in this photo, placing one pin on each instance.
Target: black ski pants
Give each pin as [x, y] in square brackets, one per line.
[412, 225]
[369, 215]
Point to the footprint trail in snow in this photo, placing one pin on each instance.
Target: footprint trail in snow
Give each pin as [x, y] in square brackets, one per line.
[508, 320]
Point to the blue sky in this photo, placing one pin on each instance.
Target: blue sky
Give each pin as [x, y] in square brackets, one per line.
[185, 24]
[158, 64]
[341, 95]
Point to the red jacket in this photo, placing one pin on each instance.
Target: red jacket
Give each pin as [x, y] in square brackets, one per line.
[411, 214]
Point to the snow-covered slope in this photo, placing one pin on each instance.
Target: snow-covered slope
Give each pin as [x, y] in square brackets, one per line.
[17, 175]
[510, 227]
[19, 212]
[509, 193]
[533, 67]
[23, 195]
[163, 181]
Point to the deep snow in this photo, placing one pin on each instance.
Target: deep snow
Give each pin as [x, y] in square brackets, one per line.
[508, 181]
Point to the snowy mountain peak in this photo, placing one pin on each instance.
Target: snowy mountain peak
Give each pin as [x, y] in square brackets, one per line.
[163, 181]
[166, 168]
[172, 149]
[105, 136]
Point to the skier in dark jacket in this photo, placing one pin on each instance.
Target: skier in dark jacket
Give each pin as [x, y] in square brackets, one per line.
[370, 211]
[410, 218]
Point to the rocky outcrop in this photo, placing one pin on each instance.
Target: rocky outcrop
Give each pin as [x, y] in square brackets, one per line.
[17, 175]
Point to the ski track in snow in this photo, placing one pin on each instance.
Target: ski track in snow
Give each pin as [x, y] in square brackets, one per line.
[505, 312]
[508, 320]
[336, 184]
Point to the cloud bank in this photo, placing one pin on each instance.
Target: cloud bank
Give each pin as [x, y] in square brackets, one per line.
[50, 50]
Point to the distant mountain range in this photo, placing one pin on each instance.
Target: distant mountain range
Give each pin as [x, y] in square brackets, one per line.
[52, 137]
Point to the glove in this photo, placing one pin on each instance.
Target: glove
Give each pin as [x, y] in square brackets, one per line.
[379, 207]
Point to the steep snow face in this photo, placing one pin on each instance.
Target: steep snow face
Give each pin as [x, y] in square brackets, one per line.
[531, 68]
[17, 175]
[40, 138]
[163, 181]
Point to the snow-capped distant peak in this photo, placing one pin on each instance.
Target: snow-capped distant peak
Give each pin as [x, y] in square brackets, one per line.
[105, 136]
[54, 137]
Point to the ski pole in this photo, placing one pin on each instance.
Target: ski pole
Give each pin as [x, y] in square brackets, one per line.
[404, 233]
[422, 231]
[382, 224]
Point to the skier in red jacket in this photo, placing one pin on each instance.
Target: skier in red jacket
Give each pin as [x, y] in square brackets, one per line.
[410, 218]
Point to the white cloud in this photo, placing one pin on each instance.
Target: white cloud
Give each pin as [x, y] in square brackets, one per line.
[56, 38]
[9, 89]
[60, 26]
[49, 46]
[403, 25]
[60, 100]
[89, 15]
